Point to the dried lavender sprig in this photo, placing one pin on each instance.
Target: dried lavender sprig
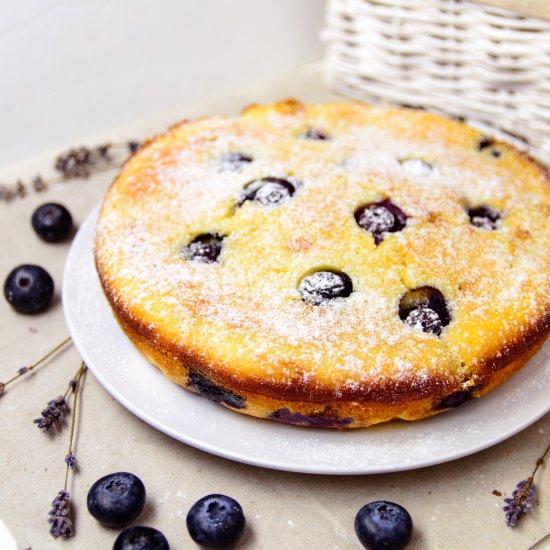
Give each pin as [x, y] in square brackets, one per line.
[524, 495]
[523, 499]
[70, 458]
[59, 519]
[77, 163]
[26, 369]
[10, 191]
[54, 413]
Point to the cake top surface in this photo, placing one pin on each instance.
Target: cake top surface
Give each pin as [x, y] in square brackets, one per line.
[340, 247]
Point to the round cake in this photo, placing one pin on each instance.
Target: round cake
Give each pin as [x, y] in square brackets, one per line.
[334, 265]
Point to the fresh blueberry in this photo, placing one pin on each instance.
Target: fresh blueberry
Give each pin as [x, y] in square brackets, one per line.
[456, 399]
[52, 222]
[489, 144]
[484, 143]
[29, 288]
[206, 388]
[380, 218]
[116, 499]
[315, 420]
[141, 538]
[204, 248]
[216, 521]
[234, 161]
[424, 308]
[314, 133]
[424, 319]
[484, 217]
[322, 286]
[268, 191]
[383, 525]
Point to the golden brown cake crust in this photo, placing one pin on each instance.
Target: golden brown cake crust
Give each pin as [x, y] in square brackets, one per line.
[238, 331]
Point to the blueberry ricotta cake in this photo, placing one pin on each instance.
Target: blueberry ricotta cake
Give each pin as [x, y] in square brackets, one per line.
[334, 265]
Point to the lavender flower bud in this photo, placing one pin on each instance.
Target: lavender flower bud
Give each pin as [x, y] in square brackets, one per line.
[60, 503]
[39, 184]
[133, 146]
[61, 525]
[103, 151]
[52, 415]
[70, 460]
[20, 189]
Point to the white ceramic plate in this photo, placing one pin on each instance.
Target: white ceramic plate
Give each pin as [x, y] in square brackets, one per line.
[391, 447]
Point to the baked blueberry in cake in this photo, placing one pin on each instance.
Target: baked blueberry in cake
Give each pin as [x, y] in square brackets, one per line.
[334, 265]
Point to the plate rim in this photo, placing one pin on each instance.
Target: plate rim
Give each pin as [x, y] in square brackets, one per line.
[323, 469]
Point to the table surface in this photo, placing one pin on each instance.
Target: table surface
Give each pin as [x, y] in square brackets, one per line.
[452, 504]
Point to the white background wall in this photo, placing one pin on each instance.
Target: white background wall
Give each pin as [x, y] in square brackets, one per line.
[69, 68]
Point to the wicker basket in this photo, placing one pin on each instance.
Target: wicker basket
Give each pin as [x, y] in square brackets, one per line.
[483, 64]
